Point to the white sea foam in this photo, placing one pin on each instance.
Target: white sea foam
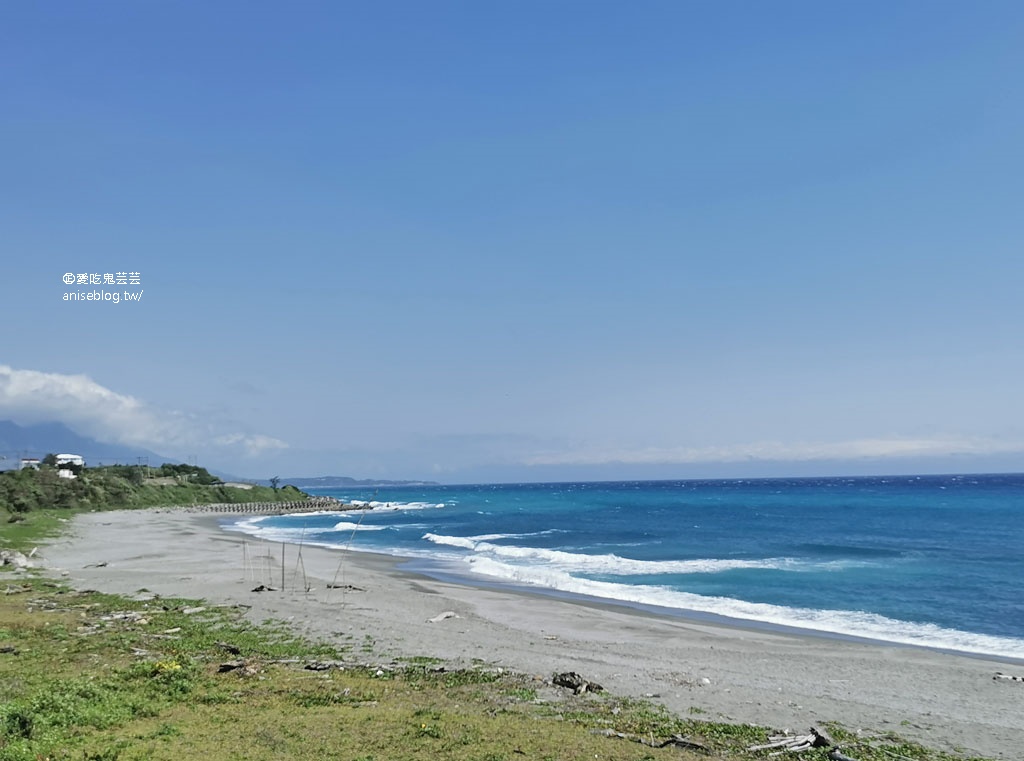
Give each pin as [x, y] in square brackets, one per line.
[377, 505]
[452, 541]
[347, 526]
[843, 622]
[254, 527]
[494, 537]
[604, 564]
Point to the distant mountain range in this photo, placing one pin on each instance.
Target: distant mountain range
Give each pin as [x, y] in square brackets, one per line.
[335, 482]
[37, 441]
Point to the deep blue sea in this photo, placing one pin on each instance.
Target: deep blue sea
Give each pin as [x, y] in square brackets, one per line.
[936, 561]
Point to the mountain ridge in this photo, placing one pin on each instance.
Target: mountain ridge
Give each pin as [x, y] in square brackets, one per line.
[38, 440]
[328, 482]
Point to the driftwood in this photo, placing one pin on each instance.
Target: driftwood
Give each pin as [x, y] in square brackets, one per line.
[15, 558]
[242, 666]
[816, 738]
[1008, 677]
[576, 683]
[442, 617]
[326, 665]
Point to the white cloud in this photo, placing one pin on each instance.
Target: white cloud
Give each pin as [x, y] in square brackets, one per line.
[774, 451]
[254, 445]
[30, 396]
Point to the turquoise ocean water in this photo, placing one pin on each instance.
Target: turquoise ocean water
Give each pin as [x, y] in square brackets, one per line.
[936, 561]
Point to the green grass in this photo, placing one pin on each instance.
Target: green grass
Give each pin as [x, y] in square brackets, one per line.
[25, 531]
[103, 677]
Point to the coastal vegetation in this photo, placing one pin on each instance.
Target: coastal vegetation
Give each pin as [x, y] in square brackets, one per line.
[125, 486]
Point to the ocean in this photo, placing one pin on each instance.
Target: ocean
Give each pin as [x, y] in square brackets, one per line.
[934, 561]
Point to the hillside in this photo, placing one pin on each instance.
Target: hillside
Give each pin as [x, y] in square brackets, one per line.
[125, 486]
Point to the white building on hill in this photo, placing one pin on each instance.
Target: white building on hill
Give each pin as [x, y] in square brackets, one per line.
[63, 460]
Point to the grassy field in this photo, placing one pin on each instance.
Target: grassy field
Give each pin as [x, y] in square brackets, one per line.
[87, 676]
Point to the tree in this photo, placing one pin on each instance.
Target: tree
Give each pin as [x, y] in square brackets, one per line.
[51, 460]
[274, 482]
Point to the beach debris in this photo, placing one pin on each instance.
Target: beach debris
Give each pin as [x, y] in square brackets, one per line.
[242, 666]
[193, 611]
[346, 587]
[131, 616]
[16, 590]
[816, 738]
[677, 741]
[101, 564]
[263, 588]
[233, 649]
[11, 649]
[1008, 677]
[442, 617]
[325, 665]
[15, 558]
[575, 682]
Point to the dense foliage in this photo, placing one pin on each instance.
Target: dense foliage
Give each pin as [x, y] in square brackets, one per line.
[121, 486]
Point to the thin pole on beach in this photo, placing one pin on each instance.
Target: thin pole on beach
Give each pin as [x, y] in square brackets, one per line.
[341, 560]
[246, 570]
[300, 563]
[282, 567]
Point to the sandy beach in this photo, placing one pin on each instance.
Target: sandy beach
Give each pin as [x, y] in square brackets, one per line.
[780, 680]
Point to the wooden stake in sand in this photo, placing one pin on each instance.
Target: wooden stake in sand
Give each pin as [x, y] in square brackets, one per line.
[341, 560]
[299, 563]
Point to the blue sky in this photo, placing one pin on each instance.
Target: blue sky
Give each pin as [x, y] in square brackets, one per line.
[520, 241]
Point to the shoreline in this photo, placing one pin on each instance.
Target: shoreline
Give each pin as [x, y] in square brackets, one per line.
[779, 679]
[422, 567]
